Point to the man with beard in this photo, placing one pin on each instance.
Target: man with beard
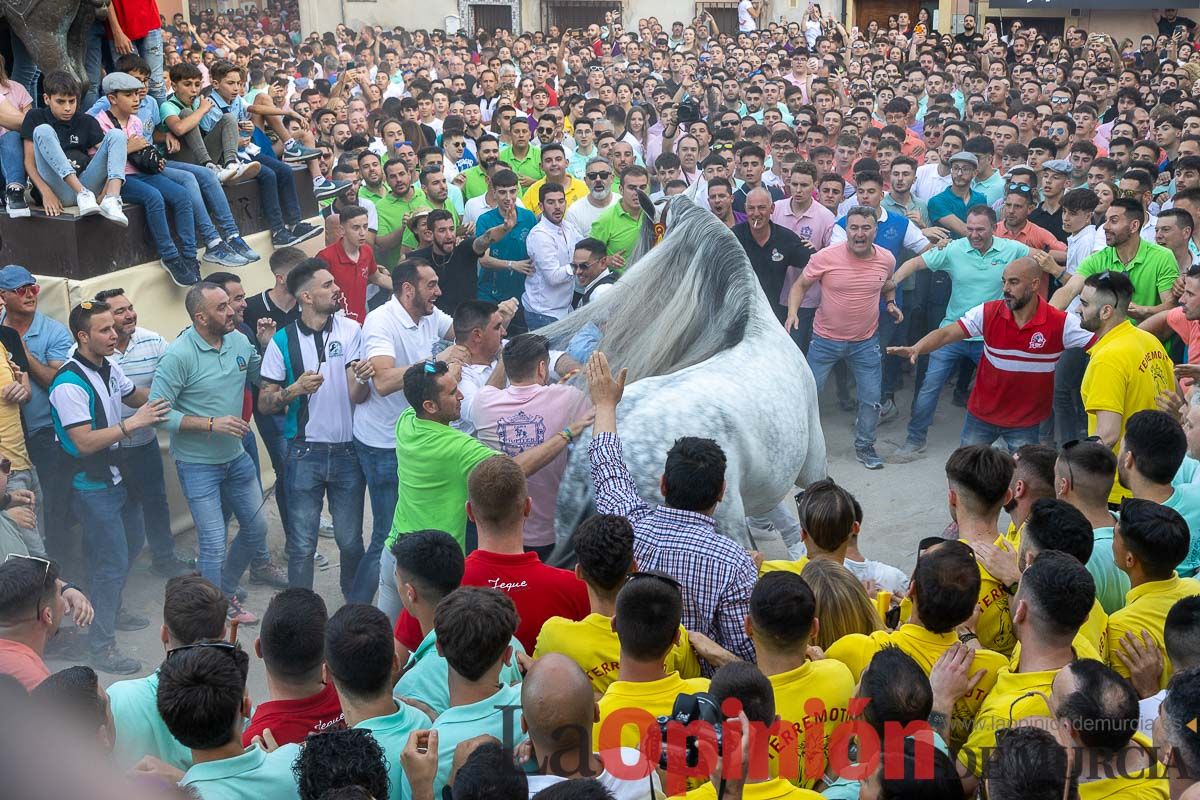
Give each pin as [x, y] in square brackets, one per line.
[1128, 368]
[474, 181]
[202, 377]
[396, 209]
[598, 174]
[551, 243]
[456, 265]
[370, 167]
[322, 355]
[1013, 392]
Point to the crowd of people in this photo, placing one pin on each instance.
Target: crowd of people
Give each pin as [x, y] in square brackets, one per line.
[1013, 212]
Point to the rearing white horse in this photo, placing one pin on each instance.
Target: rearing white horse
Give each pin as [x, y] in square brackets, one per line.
[706, 357]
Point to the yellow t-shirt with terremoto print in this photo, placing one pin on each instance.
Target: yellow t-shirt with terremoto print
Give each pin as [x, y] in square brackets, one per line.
[831, 685]
[1146, 608]
[655, 698]
[593, 645]
[994, 628]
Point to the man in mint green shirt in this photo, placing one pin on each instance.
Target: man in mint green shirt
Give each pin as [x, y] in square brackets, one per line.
[202, 697]
[429, 566]
[620, 225]
[360, 659]
[434, 460]
[1083, 476]
[475, 626]
[193, 611]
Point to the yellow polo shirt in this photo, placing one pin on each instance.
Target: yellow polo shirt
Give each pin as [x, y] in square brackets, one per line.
[995, 628]
[592, 644]
[1127, 369]
[776, 789]
[1146, 608]
[998, 711]
[574, 190]
[783, 565]
[1147, 784]
[828, 682]
[1082, 646]
[656, 698]
[857, 650]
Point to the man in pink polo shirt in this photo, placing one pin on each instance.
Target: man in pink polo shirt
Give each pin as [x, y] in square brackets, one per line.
[812, 222]
[524, 415]
[31, 608]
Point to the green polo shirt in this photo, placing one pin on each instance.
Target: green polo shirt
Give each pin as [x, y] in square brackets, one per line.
[391, 733]
[256, 774]
[425, 676]
[434, 462]
[140, 730]
[201, 381]
[391, 210]
[365, 192]
[498, 715]
[474, 183]
[530, 166]
[1152, 270]
[618, 230]
[975, 276]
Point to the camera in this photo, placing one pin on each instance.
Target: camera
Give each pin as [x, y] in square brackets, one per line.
[688, 708]
[687, 111]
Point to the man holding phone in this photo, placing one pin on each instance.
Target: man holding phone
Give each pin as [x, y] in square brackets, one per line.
[1169, 23]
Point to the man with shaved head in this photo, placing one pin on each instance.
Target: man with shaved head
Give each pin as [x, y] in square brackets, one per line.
[559, 710]
[1023, 338]
[771, 248]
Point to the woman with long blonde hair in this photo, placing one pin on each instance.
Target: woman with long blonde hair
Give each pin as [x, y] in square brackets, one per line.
[843, 606]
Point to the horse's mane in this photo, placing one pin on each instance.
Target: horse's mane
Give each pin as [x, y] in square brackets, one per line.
[682, 302]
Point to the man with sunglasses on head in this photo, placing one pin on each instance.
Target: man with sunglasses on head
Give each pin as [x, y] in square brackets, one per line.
[32, 604]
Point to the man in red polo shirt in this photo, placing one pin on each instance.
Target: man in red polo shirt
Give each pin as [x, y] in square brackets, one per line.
[1023, 338]
[353, 264]
[498, 503]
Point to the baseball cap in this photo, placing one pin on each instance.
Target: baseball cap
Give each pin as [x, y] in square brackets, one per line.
[1058, 165]
[121, 82]
[15, 276]
[968, 158]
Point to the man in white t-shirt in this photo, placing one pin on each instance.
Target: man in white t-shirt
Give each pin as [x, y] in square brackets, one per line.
[598, 175]
[558, 710]
[748, 12]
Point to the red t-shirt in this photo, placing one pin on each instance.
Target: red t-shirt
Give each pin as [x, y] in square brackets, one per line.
[1014, 387]
[291, 721]
[537, 590]
[137, 17]
[351, 277]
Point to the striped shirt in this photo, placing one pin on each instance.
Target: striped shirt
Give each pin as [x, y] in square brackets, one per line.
[717, 575]
[138, 362]
[1015, 384]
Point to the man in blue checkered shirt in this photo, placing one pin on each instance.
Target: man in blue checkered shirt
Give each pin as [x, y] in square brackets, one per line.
[680, 538]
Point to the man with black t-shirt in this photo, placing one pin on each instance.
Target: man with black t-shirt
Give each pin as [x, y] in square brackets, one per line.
[456, 266]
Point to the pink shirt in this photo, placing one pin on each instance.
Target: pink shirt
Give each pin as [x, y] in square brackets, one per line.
[850, 289]
[22, 663]
[16, 94]
[815, 225]
[133, 127]
[1189, 332]
[518, 418]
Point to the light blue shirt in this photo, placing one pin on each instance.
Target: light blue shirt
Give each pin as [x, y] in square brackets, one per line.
[147, 112]
[1111, 583]
[1186, 500]
[1189, 472]
[46, 340]
[392, 732]
[975, 276]
[850, 789]
[425, 676]
[498, 715]
[254, 774]
[140, 728]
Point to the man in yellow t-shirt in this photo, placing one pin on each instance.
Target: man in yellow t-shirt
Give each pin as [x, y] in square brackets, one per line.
[1054, 598]
[827, 522]
[781, 625]
[1097, 715]
[1127, 368]
[604, 553]
[1149, 542]
[944, 591]
[646, 618]
[743, 682]
[15, 386]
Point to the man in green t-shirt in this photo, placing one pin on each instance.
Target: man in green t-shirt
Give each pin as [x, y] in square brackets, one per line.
[436, 460]
[394, 211]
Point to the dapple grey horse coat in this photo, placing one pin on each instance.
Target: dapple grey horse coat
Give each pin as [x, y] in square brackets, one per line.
[706, 357]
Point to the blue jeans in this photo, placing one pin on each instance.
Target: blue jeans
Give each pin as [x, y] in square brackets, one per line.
[156, 193]
[864, 361]
[12, 157]
[378, 466]
[112, 538]
[144, 481]
[24, 69]
[107, 164]
[262, 557]
[534, 320]
[314, 470]
[277, 191]
[150, 47]
[208, 200]
[205, 486]
[1070, 418]
[976, 431]
[942, 363]
[270, 428]
[95, 46]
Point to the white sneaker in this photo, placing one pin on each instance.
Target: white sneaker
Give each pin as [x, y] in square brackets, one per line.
[226, 174]
[247, 169]
[86, 202]
[110, 209]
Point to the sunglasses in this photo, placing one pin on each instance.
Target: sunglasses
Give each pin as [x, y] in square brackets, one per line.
[1066, 449]
[227, 647]
[1058, 101]
[1019, 187]
[598, 176]
[545, 131]
[27, 290]
[1127, 192]
[43, 561]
